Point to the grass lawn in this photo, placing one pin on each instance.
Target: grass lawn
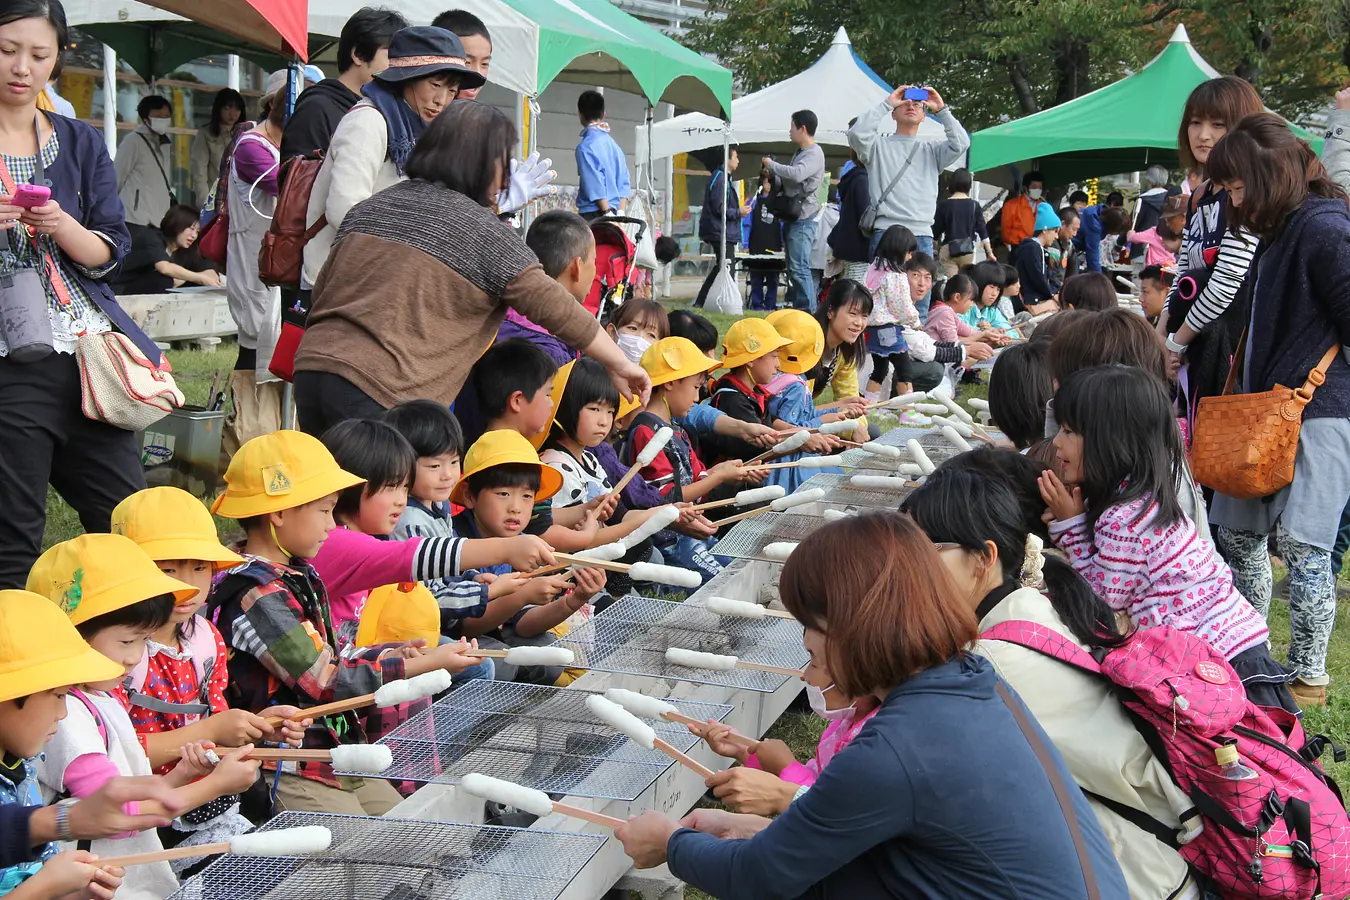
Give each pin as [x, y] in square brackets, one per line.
[800, 729]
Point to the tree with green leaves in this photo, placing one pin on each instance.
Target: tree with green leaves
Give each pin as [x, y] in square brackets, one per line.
[999, 59]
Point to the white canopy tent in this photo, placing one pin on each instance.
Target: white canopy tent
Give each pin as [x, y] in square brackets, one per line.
[762, 118]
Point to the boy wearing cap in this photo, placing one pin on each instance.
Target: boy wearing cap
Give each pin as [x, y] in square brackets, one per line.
[116, 598]
[503, 480]
[750, 356]
[1038, 295]
[273, 613]
[34, 679]
[518, 387]
[177, 691]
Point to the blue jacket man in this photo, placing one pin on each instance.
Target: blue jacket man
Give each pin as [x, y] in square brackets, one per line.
[601, 165]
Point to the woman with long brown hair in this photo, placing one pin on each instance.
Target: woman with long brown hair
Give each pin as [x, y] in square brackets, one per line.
[1206, 307]
[941, 794]
[1300, 310]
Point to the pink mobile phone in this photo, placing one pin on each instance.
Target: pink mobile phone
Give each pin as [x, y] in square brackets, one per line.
[31, 195]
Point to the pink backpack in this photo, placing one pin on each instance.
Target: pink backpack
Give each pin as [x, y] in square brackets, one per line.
[1279, 835]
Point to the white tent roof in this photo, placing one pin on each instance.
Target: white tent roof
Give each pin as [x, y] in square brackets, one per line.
[763, 117]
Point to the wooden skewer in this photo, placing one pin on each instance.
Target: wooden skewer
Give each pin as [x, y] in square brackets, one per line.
[486, 654]
[763, 667]
[576, 812]
[139, 859]
[682, 719]
[327, 709]
[627, 477]
[277, 754]
[794, 464]
[683, 758]
[583, 561]
[715, 504]
[741, 516]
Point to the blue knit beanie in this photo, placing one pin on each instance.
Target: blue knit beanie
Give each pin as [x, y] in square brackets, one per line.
[1046, 217]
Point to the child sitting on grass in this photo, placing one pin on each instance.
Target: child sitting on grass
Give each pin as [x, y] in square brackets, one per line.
[1155, 283]
[566, 248]
[116, 597]
[985, 314]
[516, 386]
[435, 436]
[503, 480]
[581, 424]
[678, 371]
[274, 615]
[177, 691]
[36, 677]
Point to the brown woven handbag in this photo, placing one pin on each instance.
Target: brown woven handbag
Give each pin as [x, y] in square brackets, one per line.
[1245, 444]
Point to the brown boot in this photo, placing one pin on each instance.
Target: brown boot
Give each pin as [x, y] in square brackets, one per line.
[1306, 695]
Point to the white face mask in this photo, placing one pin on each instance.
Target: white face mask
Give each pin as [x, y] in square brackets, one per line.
[1035, 193]
[816, 697]
[160, 126]
[633, 346]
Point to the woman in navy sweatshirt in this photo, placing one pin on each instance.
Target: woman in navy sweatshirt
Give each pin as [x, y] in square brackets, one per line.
[940, 795]
[75, 240]
[1300, 314]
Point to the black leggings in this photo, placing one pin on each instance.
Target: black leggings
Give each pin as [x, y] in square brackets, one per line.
[323, 399]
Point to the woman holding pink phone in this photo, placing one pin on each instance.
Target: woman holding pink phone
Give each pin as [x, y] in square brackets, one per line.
[60, 249]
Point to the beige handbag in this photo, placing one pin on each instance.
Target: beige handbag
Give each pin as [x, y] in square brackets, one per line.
[120, 385]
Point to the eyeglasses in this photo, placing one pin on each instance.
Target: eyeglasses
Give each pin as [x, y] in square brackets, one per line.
[943, 548]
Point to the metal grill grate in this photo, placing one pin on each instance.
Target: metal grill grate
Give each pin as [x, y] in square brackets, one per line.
[632, 637]
[839, 491]
[377, 858]
[541, 737]
[747, 539]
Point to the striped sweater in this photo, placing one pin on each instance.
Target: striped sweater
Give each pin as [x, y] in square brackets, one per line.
[1161, 575]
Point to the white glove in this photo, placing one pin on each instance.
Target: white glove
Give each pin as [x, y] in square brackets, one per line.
[529, 179]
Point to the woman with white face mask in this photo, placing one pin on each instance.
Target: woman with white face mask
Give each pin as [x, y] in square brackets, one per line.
[143, 164]
[769, 777]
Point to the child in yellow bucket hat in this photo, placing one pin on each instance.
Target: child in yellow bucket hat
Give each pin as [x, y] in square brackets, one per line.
[273, 613]
[35, 676]
[750, 356]
[503, 479]
[177, 691]
[116, 597]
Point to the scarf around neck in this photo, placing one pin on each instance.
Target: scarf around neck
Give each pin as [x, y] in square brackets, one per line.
[405, 126]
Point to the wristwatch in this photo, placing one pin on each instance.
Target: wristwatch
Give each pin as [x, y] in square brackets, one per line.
[63, 832]
[1173, 345]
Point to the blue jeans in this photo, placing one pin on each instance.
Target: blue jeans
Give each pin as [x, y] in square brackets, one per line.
[799, 240]
[763, 290]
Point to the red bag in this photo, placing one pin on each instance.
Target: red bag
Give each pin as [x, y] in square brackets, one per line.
[214, 241]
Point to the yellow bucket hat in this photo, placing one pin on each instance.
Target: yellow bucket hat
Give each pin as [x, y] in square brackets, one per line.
[555, 400]
[748, 340]
[673, 358]
[169, 524]
[399, 612]
[278, 471]
[807, 340]
[498, 448]
[29, 665]
[96, 574]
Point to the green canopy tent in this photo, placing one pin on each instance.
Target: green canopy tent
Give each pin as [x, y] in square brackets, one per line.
[1123, 127]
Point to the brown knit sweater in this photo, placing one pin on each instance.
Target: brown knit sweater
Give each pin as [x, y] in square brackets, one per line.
[417, 284]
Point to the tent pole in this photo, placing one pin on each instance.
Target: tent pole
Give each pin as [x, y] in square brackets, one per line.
[232, 79]
[110, 99]
[667, 215]
[726, 190]
[295, 82]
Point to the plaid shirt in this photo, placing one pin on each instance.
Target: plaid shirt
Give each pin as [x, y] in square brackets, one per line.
[279, 634]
